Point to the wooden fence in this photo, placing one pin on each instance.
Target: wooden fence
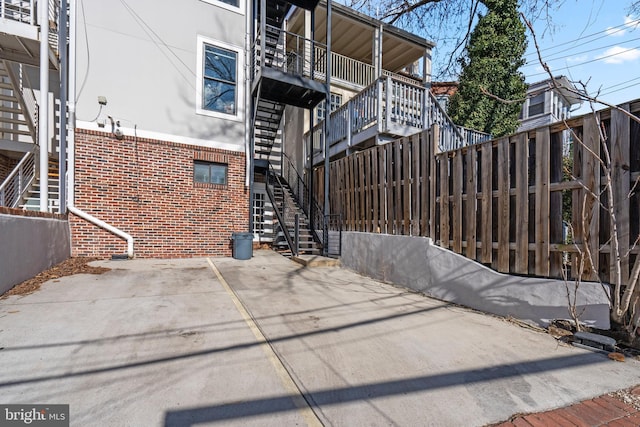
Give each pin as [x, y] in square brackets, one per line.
[522, 204]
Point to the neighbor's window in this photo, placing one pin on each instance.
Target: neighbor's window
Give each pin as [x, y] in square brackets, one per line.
[219, 89]
[210, 173]
[336, 102]
[536, 105]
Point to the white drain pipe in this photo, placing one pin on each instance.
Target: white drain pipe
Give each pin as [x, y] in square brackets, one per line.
[71, 159]
[43, 113]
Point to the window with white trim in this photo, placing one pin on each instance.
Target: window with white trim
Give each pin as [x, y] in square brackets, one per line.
[220, 80]
[220, 76]
[232, 5]
[536, 105]
[336, 102]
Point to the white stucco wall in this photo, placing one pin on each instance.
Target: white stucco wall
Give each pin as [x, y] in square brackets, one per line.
[142, 55]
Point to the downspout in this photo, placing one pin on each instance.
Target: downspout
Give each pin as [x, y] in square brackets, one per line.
[72, 142]
[43, 112]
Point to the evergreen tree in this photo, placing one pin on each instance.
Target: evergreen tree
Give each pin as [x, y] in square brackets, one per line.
[493, 56]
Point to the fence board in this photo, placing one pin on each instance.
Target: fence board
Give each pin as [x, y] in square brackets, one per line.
[381, 186]
[433, 147]
[444, 200]
[471, 207]
[487, 196]
[415, 185]
[367, 190]
[375, 190]
[457, 202]
[425, 183]
[542, 202]
[522, 204]
[397, 186]
[591, 180]
[361, 212]
[389, 227]
[406, 186]
[620, 177]
[503, 205]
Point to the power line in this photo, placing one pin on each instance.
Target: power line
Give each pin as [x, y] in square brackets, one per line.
[588, 62]
[582, 52]
[584, 39]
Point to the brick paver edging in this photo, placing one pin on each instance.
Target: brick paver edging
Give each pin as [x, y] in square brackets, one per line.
[606, 410]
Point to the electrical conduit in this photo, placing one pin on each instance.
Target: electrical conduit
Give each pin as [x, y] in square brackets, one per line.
[72, 143]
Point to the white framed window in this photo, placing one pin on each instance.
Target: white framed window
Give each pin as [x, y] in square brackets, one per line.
[237, 6]
[536, 105]
[336, 102]
[219, 89]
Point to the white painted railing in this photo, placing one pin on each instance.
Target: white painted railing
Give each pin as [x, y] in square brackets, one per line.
[22, 90]
[18, 181]
[346, 69]
[395, 107]
[25, 11]
[18, 10]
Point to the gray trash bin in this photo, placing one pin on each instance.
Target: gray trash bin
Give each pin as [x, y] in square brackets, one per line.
[242, 245]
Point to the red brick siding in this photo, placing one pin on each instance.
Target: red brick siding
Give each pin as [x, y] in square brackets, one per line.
[145, 188]
[6, 166]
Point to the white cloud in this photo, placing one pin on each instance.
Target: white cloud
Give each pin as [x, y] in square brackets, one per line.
[630, 23]
[615, 32]
[579, 58]
[619, 55]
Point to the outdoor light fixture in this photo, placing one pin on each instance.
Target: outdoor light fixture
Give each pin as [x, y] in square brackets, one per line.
[115, 128]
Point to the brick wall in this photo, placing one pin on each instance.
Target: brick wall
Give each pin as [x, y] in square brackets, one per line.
[6, 166]
[145, 188]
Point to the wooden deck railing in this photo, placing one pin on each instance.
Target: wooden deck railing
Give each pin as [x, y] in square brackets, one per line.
[391, 106]
[506, 202]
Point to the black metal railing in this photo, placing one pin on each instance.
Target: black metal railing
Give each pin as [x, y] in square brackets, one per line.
[305, 200]
[285, 210]
[333, 232]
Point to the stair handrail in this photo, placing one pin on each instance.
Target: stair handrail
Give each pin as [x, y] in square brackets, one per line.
[26, 98]
[272, 180]
[18, 181]
[300, 190]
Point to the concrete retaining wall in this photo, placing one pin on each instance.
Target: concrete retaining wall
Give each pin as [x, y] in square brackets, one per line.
[30, 245]
[416, 263]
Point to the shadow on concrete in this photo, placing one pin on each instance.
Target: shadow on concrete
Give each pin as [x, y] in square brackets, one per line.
[209, 351]
[364, 392]
[165, 333]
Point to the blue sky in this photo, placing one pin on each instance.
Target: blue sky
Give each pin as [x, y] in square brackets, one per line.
[593, 41]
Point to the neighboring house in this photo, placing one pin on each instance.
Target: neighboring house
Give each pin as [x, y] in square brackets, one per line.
[176, 133]
[546, 104]
[543, 105]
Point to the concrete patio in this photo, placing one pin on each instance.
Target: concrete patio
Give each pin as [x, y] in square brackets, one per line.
[270, 342]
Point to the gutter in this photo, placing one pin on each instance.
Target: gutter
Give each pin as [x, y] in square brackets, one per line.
[72, 142]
